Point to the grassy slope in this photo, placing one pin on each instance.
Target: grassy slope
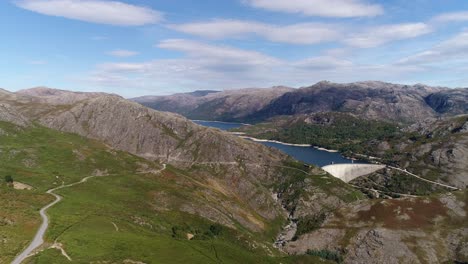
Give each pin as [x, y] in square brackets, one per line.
[140, 205]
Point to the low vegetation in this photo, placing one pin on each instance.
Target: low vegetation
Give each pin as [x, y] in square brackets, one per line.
[309, 223]
[121, 215]
[340, 131]
[326, 254]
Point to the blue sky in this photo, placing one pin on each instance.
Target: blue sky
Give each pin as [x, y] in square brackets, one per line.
[156, 47]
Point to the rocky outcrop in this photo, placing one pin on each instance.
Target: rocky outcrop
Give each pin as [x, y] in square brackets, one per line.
[9, 114]
[449, 102]
[416, 230]
[441, 146]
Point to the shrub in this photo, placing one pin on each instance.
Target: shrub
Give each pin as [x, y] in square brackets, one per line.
[310, 223]
[8, 179]
[326, 254]
[216, 229]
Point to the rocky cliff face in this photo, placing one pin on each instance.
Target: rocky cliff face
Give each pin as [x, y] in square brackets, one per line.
[229, 105]
[8, 113]
[449, 102]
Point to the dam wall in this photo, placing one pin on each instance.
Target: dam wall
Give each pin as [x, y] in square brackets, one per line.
[349, 172]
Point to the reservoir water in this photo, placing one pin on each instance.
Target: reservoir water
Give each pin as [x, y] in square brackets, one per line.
[308, 155]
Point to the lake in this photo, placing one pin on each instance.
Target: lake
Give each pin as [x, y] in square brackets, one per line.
[308, 155]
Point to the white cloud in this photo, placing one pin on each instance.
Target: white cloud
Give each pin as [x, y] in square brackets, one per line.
[95, 11]
[452, 17]
[455, 48]
[219, 56]
[379, 35]
[324, 8]
[303, 33]
[323, 63]
[122, 53]
[218, 67]
[306, 33]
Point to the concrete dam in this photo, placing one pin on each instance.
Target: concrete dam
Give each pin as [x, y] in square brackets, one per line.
[349, 172]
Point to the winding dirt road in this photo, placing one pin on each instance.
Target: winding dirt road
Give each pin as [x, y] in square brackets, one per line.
[39, 237]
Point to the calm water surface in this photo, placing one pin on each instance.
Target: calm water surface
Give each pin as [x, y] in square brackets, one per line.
[308, 155]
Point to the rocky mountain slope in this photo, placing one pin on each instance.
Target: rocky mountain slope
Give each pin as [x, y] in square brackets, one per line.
[212, 177]
[56, 96]
[229, 105]
[371, 100]
[436, 149]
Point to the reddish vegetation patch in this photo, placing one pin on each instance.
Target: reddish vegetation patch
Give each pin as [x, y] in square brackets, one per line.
[404, 213]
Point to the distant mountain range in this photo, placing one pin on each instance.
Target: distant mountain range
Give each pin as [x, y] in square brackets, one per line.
[371, 99]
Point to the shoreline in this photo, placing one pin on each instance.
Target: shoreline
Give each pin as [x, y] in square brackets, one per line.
[221, 122]
[241, 135]
[287, 144]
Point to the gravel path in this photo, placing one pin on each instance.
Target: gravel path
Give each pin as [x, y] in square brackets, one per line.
[39, 237]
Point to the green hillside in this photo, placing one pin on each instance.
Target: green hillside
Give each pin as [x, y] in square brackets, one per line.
[126, 213]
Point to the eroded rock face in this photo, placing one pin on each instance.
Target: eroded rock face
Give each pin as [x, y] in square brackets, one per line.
[9, 114]
[379, 246]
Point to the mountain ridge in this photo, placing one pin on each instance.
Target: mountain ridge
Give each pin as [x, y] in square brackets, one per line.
[368, 99]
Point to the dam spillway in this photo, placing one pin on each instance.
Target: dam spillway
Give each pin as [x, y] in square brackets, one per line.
[349, 172]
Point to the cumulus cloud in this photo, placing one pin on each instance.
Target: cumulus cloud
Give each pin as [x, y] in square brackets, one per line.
[218, 56]
[94, 11]
[379, 35]
[452, 17]
[302, 33]
[323, 63]
[455, 48]
[306, 33]
[208, 66]
[122, 53]
[323, 8]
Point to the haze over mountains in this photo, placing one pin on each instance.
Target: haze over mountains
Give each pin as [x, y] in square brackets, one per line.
[371, 99]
